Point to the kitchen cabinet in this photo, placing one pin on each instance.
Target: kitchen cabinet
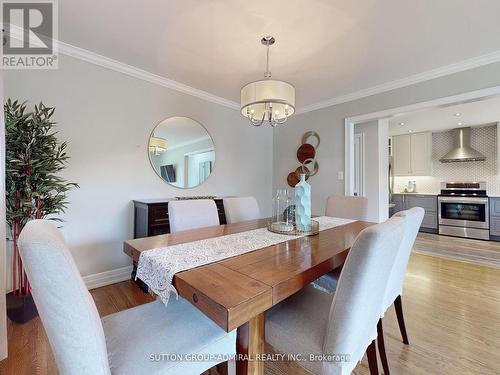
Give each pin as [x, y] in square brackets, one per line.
[495, 219]
[426, 201]
[412, 154]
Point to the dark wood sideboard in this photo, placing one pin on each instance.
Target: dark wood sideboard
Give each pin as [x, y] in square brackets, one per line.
[151, 219]
[151, 216]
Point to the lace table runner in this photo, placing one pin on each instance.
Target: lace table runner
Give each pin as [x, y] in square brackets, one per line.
[157, 267]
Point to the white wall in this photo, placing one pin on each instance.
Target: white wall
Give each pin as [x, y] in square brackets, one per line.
[329, 123]
[376, 170]
[98, 109]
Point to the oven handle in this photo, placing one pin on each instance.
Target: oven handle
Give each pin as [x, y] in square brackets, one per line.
[462, 200]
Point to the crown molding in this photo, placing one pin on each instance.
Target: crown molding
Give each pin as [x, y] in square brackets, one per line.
[100, 60]
[106, 62]
[458, 67]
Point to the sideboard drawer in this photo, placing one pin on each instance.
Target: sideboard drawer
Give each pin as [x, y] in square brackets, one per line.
[158, 214]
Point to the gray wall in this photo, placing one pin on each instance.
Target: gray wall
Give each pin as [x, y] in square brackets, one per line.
[107, 118]
[329, 123]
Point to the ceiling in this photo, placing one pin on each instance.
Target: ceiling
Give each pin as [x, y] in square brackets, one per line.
[325, 48]
[475, 113]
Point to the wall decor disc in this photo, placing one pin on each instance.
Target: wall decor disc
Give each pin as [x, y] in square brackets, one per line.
[305, 152]
[303, 169]
[309, 134]
[292, 179]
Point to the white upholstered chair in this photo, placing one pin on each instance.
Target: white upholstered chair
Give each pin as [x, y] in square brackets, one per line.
[414, 217]
[241, 209]
[128, 342]
[346, 207]
[346, 323]
[191, 214]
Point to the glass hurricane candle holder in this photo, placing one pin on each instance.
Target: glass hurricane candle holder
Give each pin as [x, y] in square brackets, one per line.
[283, 211]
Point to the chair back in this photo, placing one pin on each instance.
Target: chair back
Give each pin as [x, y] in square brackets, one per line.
[357, 302]
[66, 308]
[413, 219]
[191, 214]
[347, 207]
[241, 209]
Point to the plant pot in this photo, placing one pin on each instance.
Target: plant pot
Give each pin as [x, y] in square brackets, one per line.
[20, 309]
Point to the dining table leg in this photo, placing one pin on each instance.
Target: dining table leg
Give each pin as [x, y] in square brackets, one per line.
[250, 343]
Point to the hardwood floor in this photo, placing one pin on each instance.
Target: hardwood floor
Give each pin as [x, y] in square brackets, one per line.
[461, 249]
[452, 311]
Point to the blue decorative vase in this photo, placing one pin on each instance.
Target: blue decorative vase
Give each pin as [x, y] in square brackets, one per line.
[303, 204]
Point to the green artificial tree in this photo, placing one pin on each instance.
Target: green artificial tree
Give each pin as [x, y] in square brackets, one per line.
[34, 190]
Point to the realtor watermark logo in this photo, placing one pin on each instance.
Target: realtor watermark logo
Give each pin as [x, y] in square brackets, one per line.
[29, 34]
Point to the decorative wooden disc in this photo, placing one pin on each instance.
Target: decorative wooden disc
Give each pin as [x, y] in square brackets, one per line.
[292, 179]
[306, 151]
[302, 169]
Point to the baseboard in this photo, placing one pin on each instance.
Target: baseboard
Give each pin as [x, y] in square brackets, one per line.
[428, 230]
[108, 277]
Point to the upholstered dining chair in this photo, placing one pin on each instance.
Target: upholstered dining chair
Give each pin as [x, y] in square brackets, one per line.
[133, 341]
[346, 207]
[191, 214]
[345, 324]
[241, 209]
[413, 219]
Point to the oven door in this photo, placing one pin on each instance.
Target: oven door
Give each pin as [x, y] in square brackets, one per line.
[464, 212]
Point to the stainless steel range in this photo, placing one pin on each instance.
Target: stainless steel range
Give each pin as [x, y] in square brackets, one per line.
[463, 210]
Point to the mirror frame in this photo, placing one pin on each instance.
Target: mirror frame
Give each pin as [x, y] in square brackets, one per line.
[151, 134]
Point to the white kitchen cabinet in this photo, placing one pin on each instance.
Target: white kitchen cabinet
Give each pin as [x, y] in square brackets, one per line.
[412, 154]
[401, 155]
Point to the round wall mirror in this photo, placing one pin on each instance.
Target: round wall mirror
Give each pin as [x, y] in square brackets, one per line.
[181, 152]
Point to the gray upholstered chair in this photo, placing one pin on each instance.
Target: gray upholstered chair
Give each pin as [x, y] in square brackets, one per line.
[192, 214]
[346, 207]
[241, 209]
[345, 323]
[128, 342]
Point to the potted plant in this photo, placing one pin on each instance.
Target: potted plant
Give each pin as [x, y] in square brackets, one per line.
[34, 190]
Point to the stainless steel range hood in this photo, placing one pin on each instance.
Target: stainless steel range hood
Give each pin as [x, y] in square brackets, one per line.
[462, 151]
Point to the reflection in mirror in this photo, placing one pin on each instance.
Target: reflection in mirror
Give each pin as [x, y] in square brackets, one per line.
[181, 152]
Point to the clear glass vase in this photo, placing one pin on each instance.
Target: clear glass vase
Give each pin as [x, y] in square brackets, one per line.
[283, 211]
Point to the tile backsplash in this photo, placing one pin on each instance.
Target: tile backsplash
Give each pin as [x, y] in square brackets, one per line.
[483, 139]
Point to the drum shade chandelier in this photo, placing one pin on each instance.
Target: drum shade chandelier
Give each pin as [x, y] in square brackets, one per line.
[267, 100]
[157, 145]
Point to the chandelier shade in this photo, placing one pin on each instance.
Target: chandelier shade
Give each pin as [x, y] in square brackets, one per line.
[267, 100]
[157, 145]
[260, 97]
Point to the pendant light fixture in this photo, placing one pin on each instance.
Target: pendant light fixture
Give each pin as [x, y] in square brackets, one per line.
[157, 145]
[267, 100]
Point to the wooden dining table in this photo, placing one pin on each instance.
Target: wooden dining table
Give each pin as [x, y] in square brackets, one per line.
[236, 292]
